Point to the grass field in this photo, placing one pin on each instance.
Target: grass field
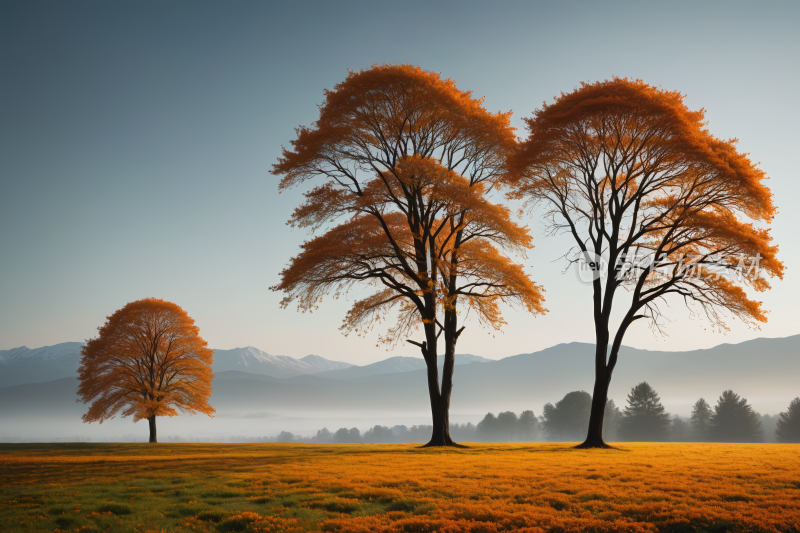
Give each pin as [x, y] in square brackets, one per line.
[486, 488]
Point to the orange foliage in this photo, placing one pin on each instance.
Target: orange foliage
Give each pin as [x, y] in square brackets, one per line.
[407, 159]
[148, 360]
[627, 168]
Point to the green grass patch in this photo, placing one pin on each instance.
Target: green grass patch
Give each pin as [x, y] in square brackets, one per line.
[115, 508]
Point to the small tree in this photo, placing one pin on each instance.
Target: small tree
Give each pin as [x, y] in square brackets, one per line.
[701, 419]
[507, 426]
[788, 429]
[285, 436]
[323, 435]
[351, 435]
[641, 186]
[566, 420]
[148, 361]
[644, 418]
[487, 428]
[734, 420]
[527, 426]
[378, 433]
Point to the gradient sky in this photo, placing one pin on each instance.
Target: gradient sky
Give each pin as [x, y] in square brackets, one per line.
[136, 140]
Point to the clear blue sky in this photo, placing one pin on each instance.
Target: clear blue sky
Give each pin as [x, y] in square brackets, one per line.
[136, 140]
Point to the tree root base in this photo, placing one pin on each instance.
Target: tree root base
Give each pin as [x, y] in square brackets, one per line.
[594, 444]
[450, 444]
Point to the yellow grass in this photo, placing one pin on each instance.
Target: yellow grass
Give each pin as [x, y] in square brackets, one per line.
[485, 488]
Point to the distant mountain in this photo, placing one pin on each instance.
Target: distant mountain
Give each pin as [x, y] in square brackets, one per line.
[256, 361]
[395, 364]
[24, 365]
[765, 371]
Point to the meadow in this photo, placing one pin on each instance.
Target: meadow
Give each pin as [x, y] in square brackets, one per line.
[487, 488]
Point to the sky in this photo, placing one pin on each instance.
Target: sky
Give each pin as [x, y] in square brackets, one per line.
[137, 138]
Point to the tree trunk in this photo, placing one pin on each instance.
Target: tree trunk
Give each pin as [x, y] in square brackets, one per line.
[602, 378]
[441, 423]
[440, 402]
[152, 422]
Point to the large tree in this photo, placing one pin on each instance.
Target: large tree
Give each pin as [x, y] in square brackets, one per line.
[644, 418]
[148, 360]
[405, 161]
[641, 186]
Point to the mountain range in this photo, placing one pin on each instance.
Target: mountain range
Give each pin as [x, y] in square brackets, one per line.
[23, 365]
[765, 371]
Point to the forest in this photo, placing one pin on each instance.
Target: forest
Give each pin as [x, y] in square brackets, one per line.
[642, 419]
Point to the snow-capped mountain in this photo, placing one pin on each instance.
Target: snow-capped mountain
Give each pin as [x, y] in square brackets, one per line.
[255, 361]
[25, 365]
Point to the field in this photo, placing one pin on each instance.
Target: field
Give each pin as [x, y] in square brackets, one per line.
[486, 488]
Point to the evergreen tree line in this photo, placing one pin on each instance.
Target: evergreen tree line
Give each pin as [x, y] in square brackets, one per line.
[643, 419]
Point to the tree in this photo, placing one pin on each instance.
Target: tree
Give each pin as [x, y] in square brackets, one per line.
[324, 435]
[644, 418]
[734, 420]
[378, 433]
[487, 428]
[611, 420]
[463, 432]
[406, 162]
[527, 426]
[147, 361]
[565, 420]
[654, 203]
[701, 419]
[788, 429]
[285, 436]
[351, 435]
[507, 422]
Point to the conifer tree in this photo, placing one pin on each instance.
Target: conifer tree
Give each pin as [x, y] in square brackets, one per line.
[734, 420]
[701, 419]
[788, 429]
[644, 418]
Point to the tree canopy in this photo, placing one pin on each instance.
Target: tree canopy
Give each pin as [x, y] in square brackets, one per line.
[566, 420]
[644, 419]
[148, 360]
[641, 185]
[406, 161]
